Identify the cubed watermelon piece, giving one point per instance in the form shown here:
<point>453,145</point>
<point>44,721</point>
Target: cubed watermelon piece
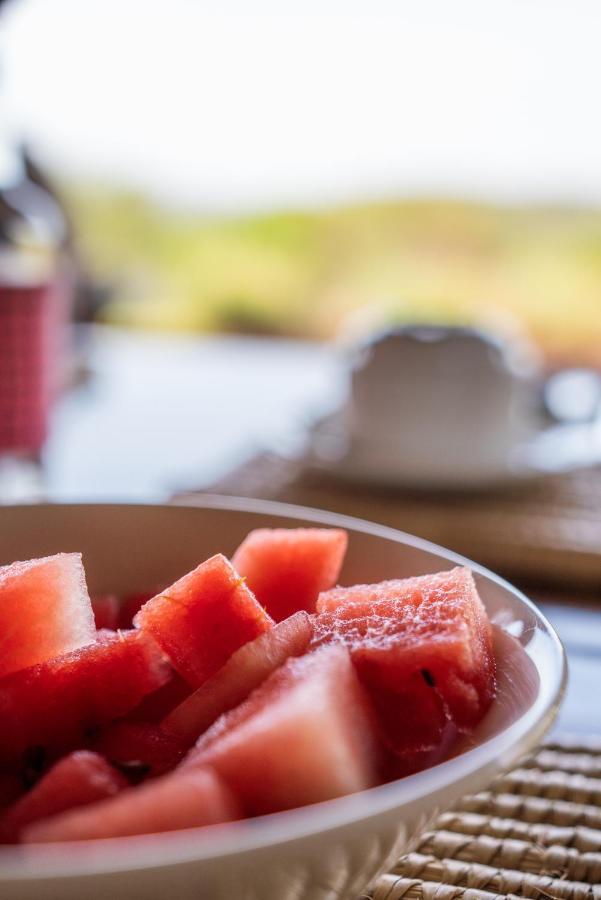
<point>44,610</point>
<point>201,619</point>
<point>244,671</point>
<point>306,735</point>
<point>139,749</point>
<point>179,800</point>
<point>106,612</point>
<point>286,568</point>
<point>53,705</point>
<point>76,780</point>
<point>422,646</point>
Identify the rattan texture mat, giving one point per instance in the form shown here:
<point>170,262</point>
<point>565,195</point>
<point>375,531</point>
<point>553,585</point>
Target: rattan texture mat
<point>535,833</point>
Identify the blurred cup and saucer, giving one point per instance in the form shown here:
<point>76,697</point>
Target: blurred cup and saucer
<point>438,407</point>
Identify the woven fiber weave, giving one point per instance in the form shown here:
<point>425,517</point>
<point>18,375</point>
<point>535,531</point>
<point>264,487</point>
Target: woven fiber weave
<point>535,833</point>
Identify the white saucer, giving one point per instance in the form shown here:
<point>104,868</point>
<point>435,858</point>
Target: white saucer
<point>550,451</point>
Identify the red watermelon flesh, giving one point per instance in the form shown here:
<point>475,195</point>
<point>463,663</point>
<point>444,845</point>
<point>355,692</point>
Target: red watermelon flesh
<point>154,707</point>
<point>76,780</point>
<point>422,646</point>
<point>44,610</point>
<point>415,724</point>
<point>201,619</point>
<point>306,735</point>
<point>53,705</point>
<point>286,568</point>
<point>106,612</point>
<point>179,800</point>
<point>244,671</point>
<point>11,788</point>
<point>139,749</point>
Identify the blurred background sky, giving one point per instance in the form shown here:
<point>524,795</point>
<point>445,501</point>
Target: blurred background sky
<point>270,169</point>
<point>230,104</point>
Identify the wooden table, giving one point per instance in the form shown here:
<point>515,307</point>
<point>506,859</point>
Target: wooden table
<point>161,415</point>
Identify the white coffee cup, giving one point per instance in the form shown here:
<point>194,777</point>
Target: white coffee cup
<point>437,406</point>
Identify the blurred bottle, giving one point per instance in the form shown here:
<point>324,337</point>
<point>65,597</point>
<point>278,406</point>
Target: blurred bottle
<point>35,291</point>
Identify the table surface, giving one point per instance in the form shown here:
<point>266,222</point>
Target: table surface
<point>163,414</point>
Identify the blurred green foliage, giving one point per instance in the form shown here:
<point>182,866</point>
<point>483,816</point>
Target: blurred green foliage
<point>303,273</point>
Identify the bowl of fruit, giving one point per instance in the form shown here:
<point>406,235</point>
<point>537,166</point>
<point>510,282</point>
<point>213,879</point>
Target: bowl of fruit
<point>243,698</point>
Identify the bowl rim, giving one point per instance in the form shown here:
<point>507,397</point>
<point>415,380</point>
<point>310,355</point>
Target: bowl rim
<point>133,853</point>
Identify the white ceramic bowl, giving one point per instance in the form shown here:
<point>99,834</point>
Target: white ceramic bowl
<point>329,850</point>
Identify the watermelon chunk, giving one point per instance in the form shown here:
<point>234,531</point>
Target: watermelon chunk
<point>286,568</point>
<point>44,610</point>
<point>201,619</point>
<point>139,749</point>
<point>179,800</point>
<point>306,735</point>
<point>51,706</point>
<point>76,780</point>
<point>423,647</point>
<point>244,671</point>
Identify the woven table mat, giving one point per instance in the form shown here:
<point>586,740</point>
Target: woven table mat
<point>547,532</point>
<point>535,833</point>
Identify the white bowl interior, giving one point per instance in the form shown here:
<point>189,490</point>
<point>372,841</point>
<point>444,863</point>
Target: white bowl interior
<point>137,547</point>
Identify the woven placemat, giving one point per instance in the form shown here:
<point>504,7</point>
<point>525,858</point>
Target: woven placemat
<point>535,833</point>
<point>546,532</point>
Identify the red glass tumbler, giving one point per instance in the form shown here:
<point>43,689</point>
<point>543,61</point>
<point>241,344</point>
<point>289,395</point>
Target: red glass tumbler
<point>33,324</point>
